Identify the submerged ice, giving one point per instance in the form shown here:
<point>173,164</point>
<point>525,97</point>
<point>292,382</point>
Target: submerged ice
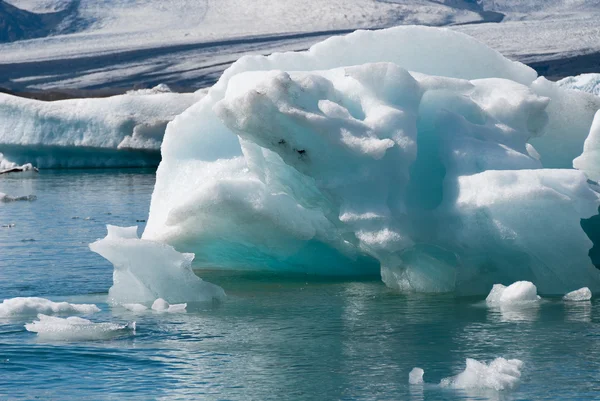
<point>415,152</point>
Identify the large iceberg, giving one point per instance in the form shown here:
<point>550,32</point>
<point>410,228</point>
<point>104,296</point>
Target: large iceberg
<point>416,152</point>
<point>118,131</point>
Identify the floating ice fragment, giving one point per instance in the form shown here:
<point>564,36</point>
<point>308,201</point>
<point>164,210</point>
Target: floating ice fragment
<point>520,291</point>
<point>416,376</point>
<point>582,294</point>
<point>7,167</point>
<point>500,374</point>
<point>146,270</point>
<point>33,306</point>
<point>6,198</point>
<point>76,328</point>
<point>160,305</point>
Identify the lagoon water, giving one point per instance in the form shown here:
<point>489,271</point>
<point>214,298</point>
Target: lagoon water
<point>274,338</point>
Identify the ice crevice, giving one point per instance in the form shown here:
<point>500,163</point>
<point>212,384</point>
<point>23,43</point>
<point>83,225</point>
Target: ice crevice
<point>416,153</point>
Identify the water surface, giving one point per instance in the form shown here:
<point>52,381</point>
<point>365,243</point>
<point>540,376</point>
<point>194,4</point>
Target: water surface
<point>274,338</point>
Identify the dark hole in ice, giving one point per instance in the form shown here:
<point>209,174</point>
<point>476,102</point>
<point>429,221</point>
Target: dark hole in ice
<point>591,227</point>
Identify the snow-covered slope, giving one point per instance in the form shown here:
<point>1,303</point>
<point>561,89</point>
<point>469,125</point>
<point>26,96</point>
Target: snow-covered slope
<point>126,24</point>
<point>197,31</point>
<point>119,43</point>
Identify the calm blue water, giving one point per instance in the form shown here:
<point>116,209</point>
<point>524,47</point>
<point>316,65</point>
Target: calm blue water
<point>275,338</point>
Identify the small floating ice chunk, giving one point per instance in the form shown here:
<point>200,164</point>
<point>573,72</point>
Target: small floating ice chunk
<point>8,167</point>
<point>160,305</point>
<point>146,270</point>
<point>520,291</point>
<point>136,308</point>
<point>6,198</point>
<point>582,294</point>
<point>33,306</point>
<point>416,376</point>
<point>76,328</point>
<point>500,374</point>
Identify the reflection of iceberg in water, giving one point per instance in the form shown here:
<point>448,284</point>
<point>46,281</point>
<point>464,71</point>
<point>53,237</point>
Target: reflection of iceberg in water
<point>578,311</point>
<point>514,313</point>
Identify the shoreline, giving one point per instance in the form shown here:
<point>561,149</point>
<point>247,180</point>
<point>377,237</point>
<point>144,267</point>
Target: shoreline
<point>552,69</point>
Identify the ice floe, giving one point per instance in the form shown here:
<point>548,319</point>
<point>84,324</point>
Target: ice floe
<point>77,329</point>
<point>33,305</point>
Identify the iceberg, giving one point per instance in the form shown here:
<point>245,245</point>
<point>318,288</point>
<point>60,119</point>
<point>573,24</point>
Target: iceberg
<point>147,270</point>
<point>118,131</point>
<point>415,377</point>
<point>160,305</point>
<point>77,329</point>
<point>582,294</point>
<point>33,305</point>
<point>521,291</point>
<point>407,152</point>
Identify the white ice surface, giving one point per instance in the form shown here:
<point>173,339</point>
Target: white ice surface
<point>77,329</point>
<point>518,292</point>
<point>160,305</point>
<point>500,374</point>
<point>589,161</point>
<point>33,305</point>
<point>582,294</point>
<point>416,376</point>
